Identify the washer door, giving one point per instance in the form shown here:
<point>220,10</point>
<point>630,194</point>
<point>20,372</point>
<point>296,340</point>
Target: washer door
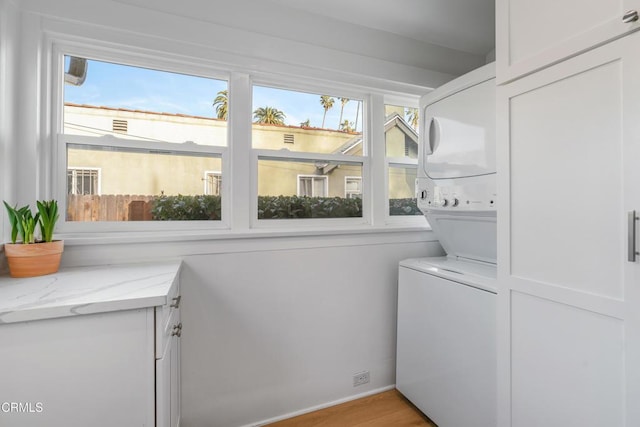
<point>446,357</point>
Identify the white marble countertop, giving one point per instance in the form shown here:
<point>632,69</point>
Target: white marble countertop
<point>87,290</point>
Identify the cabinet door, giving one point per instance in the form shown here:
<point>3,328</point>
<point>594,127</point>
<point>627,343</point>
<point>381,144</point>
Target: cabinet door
<point>174,370</point>
<point>89,370</point>
<point>168,378</point>
<point>533,34</point>
<point>569,139</point>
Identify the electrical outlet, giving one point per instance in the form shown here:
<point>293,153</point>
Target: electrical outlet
<point>360,378</point>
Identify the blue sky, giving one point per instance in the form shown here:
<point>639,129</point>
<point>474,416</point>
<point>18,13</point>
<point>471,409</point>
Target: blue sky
<point>119,86</point>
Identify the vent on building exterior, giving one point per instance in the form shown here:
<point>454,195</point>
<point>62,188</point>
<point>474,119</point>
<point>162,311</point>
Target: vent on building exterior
<point>288,138</point>
<point>120,126</point>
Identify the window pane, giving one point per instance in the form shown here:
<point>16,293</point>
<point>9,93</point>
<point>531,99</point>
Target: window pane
<point>138,184</point>
<point>402,199</point>
<point>102,98</point>
<point>401,143</point>
<point>401,131</point>
<point>304,122</point>
<point>306,189</point>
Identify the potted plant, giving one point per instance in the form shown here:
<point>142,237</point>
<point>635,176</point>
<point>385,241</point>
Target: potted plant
<point>30,257</point>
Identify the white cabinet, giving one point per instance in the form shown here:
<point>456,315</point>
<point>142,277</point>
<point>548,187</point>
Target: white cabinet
<point>531,35</point>
<point>568,322</point>
<point>120,367</point>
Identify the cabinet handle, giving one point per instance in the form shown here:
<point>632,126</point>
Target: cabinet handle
<point>177,330</point>
<point>630,16</point>
<point>176,302</point>
<point>631,236</point>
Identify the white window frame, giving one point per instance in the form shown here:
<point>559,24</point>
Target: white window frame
<point>206,189</point>
<point>127,56</point>
<point>325,184</point>
<point>165,147</point>
<point>347,193</point>
<point>259,154</point>
<point>364,161</point>
<point>239,192</point>
<point>99,176</point>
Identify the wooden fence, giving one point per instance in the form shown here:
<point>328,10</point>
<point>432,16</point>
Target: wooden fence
<point>108,208</point>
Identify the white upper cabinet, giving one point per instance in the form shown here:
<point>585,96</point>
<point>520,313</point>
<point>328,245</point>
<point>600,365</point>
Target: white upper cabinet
<point>531,35</point>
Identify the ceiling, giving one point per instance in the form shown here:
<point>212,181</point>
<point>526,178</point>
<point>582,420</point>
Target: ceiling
<point>450,37</point>
<point>464,25</point>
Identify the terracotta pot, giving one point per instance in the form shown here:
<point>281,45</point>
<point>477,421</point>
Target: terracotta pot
<point>35,259</point>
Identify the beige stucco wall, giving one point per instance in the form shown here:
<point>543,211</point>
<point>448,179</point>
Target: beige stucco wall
<point>151,174</point>
<point>146,174</point>
<point>402,182</point>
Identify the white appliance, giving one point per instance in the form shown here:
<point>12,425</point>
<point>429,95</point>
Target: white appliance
<point>446,348</point>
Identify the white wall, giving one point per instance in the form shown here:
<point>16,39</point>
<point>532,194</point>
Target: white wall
<point>231,32</point>
<point>8,105</point>
<point>271,333</point>
<point>277,325</point>
<point>272,325</point>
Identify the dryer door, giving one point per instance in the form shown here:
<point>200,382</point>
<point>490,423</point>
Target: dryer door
<point>460,133</point>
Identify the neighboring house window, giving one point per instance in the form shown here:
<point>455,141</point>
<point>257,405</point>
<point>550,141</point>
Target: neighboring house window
<point>169,130</point>
<point>401,147</point>
<point>83,181</point>
<point>329,145</point>
<point>352,187</point>
<point>213,183</point>
<point>312,186</point>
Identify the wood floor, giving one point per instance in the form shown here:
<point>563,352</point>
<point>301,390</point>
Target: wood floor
<point>388,409</point>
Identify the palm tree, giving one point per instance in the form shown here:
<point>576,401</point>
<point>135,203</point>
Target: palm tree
<point>346,126</point>
<point>269,116</point>
<point>343,101</point>
<point>221,104</point>
<point>412,117</point>
<point>305,124</point>
<point>327,103</point>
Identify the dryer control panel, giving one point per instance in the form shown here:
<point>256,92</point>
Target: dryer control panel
<point>477,196</point>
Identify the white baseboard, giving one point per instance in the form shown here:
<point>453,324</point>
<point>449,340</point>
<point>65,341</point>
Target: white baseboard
<point>322,406</point>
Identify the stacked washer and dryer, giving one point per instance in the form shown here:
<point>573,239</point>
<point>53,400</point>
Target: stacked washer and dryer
<point>446,354</point>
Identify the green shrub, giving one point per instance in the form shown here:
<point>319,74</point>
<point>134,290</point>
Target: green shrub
<point>279,207</point>
<point>403,207</point>
<point>186,208</point>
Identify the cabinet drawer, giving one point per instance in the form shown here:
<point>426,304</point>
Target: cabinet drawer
<point>173,302</point>
<point>167,319</point>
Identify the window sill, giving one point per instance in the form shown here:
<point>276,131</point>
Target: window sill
<point>108,238</point>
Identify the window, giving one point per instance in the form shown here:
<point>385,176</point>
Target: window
<point>212,183</point>
<point>401,147</point>
<point>83,181</point>
<point>329,146</point>
<point>144,138</point>
<point>312,186</point>
<point>352,187</point>
<point>152,135</point>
